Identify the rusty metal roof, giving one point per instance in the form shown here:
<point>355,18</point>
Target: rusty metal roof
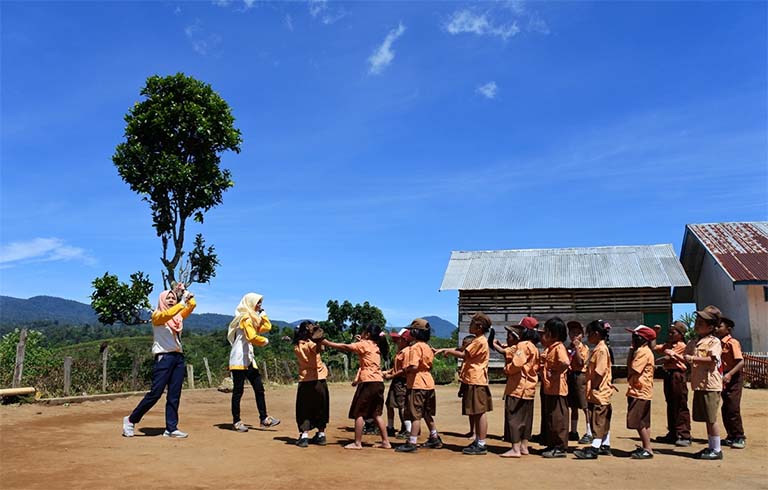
<point>571,268</point>
<point>741,249</point>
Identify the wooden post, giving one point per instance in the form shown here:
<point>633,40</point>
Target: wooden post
<point>67,375</point>
<point>191,376</point>
<point>264,373</point>
<point>134,373</point>
<point>288,374</point>
<point>208,371</point>
<point>18,368</point>
<point>345,360</point>
<point>104,357</point>
<point>276,373</point>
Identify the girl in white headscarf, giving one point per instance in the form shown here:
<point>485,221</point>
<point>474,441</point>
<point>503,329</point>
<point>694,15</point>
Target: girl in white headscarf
<point>244,332</point>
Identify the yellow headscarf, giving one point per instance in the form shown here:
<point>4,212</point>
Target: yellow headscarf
<point>246,309</point>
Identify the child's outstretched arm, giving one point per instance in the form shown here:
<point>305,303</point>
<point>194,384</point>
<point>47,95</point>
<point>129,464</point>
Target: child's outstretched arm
<point>337,346</point>
<point>496,345</point>
<point>451,352</point>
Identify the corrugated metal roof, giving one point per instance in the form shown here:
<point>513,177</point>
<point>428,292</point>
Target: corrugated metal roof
<point>571,268</point>
<point>741,249</point>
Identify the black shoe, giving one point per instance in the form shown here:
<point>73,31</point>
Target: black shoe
<point>586,453</point>
<point>726,442</point>
<point>434,443</point>
<point>739,443</point>
<point>586,439</point>
<point>683,442</point>
<point>475,450</point>
<point>605,451</point>
<point>554,453</point>
<point>318,439</point>
<point>391,432</point>
<point>370,429</point>
<point>709,454</point>
<point>641,453</point>
<point>403,434</point>
<point>667,439</point>
<point>573,436</point>
<point>536,438</point>
<point>406,448</point>
<point>302,442</point>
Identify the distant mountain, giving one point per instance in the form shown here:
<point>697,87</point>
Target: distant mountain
<point>440,328</point>
<point>59,311</point>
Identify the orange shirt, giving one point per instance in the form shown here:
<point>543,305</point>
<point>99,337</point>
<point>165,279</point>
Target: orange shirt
<point>370,360</point>
<point>398,368</point>
<point>731,352</point>
<point>476,357</point>
<point>671,363</point>
<point>311,366</point>
<point>522,365</point>
<point>599,389</point>
<point>640,374</point>
<point>420,356</point>
<point>554,370</point>
<point>706,376</point>
<point>579,358</point>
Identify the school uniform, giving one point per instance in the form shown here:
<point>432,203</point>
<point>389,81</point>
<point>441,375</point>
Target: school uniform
<point>676,391</point>
<point>731,395</point>
<point>420,393</point>
<point>312,398</point>
<point>368,401</point>
<point>477,398</point>
<point>706,378</point>
<point>399,383</point>
<point>577,383</point>
<point>521,367</point>
<point>599,390</point>
<point>555,387</point>
<point>640,368</point>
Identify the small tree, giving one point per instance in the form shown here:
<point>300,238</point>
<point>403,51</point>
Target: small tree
<point>115,301</point>
<point>351,318</point>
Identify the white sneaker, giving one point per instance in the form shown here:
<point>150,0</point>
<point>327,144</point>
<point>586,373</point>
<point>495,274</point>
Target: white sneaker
<point>128,427</point>
<point>177,433</point>
<point>240,427</point>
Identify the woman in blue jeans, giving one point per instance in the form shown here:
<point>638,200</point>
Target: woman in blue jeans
<point>168,321</point>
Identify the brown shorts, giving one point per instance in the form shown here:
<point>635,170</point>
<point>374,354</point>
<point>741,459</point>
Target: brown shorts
<point>396,393</point>
<point>577,391</point>
<point>368,401</point>
<point>705,406</point>
<point>518,419</point>
<point>638,413</point>
<point>600,416</point>
<point>476,400</point>
<point>419,404</point>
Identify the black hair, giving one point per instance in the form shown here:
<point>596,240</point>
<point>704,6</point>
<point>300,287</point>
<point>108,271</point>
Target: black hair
<point>597,326</point>
<point>302,331</point>
<point>639,341</point>
<point>377,335</point>
<point>422,335</point>
<point>531,335</point>
<point>727,322</point>
<point>555,327</point>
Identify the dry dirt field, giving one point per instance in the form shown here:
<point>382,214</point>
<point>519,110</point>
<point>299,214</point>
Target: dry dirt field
<point>80,446</point>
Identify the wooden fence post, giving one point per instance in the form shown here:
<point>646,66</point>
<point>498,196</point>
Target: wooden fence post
<point>67,375</point>
<point>18,368</point>
<point>191,376</point>
<point>134,373</point>
<point>288,374</point>
<point>208,371</point>
<point>276,373</point>
<point>345,360</point>
<point>104,357</point>
<point>265,374</point>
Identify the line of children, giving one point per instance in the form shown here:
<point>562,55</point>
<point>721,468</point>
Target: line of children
<point>476,400</point>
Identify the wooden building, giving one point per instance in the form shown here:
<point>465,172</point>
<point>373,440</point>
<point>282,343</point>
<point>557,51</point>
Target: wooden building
<point>626,286</point>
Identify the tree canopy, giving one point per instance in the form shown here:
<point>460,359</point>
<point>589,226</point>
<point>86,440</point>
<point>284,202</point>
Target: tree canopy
<point>351,318</point>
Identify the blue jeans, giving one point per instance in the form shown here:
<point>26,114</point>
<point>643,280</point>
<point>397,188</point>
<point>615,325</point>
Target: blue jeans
<point>168,371</point>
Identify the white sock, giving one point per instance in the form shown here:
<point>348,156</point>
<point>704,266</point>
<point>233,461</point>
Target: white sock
<point>596,443</point>
<point>589,430</point>
<point>714,443</point>
<point>320,434</point>
<point>481,442</point>
<point>412,439</point>
<point>303,435</point>
<point>433,433</point>
<point>408,425</point>
<point>607,440</point>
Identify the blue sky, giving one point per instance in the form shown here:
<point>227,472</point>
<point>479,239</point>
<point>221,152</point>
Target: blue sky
<point>379,137</point>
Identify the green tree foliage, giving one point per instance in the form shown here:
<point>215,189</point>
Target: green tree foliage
<point>346,317</point>
<point>38,359</point>
<point>117,302</point>
<point>689,319</point>
<point>174,140</point>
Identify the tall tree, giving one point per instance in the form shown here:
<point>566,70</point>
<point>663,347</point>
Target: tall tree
<point>347,317</point>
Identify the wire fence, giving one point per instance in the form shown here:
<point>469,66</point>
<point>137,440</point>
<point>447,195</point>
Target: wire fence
<point>756,369</point>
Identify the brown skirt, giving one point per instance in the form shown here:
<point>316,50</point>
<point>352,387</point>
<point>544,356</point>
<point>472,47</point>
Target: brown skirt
<point>577,391</point>
<point>638,413</point>
<point>396,393</point>
<point>476,400</point>
<point>600,416</point>
<point>518,419</point>
<point>420,404</point>
<point>312,405</point>
<point>368,401</point>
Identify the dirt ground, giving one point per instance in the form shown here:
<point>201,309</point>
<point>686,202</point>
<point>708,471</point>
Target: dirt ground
<point>80,446</point>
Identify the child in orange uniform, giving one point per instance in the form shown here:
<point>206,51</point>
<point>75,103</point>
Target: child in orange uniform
<point>640,366</point>
<point>312,399</point>
<point>477,400</point>
<point>733,363</point>
<point>599,391</point>
<point>554,369</point>
<point>398,386</point>
<point>675,387</point>
<point>577,383</point>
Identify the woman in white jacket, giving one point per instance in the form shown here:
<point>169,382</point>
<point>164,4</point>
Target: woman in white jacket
<point>244,332</point>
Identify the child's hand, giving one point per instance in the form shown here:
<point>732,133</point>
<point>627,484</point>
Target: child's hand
<point>358,338</point>
<point>727,378</point>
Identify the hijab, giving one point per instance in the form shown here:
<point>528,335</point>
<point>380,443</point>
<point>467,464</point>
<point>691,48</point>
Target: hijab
<point>175,323</point>
<point>246,309</point>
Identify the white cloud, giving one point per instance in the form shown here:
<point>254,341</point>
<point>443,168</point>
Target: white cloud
<point>488,90</point>
<point>466,21</point>
<point>288,21</point>
<point>41,250</point>
<point>221,3</point>
<point>201,43</point>
<point>383,55</point>
<point>320,10</point>
<point>249,3</point>
<point>537,24</point>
